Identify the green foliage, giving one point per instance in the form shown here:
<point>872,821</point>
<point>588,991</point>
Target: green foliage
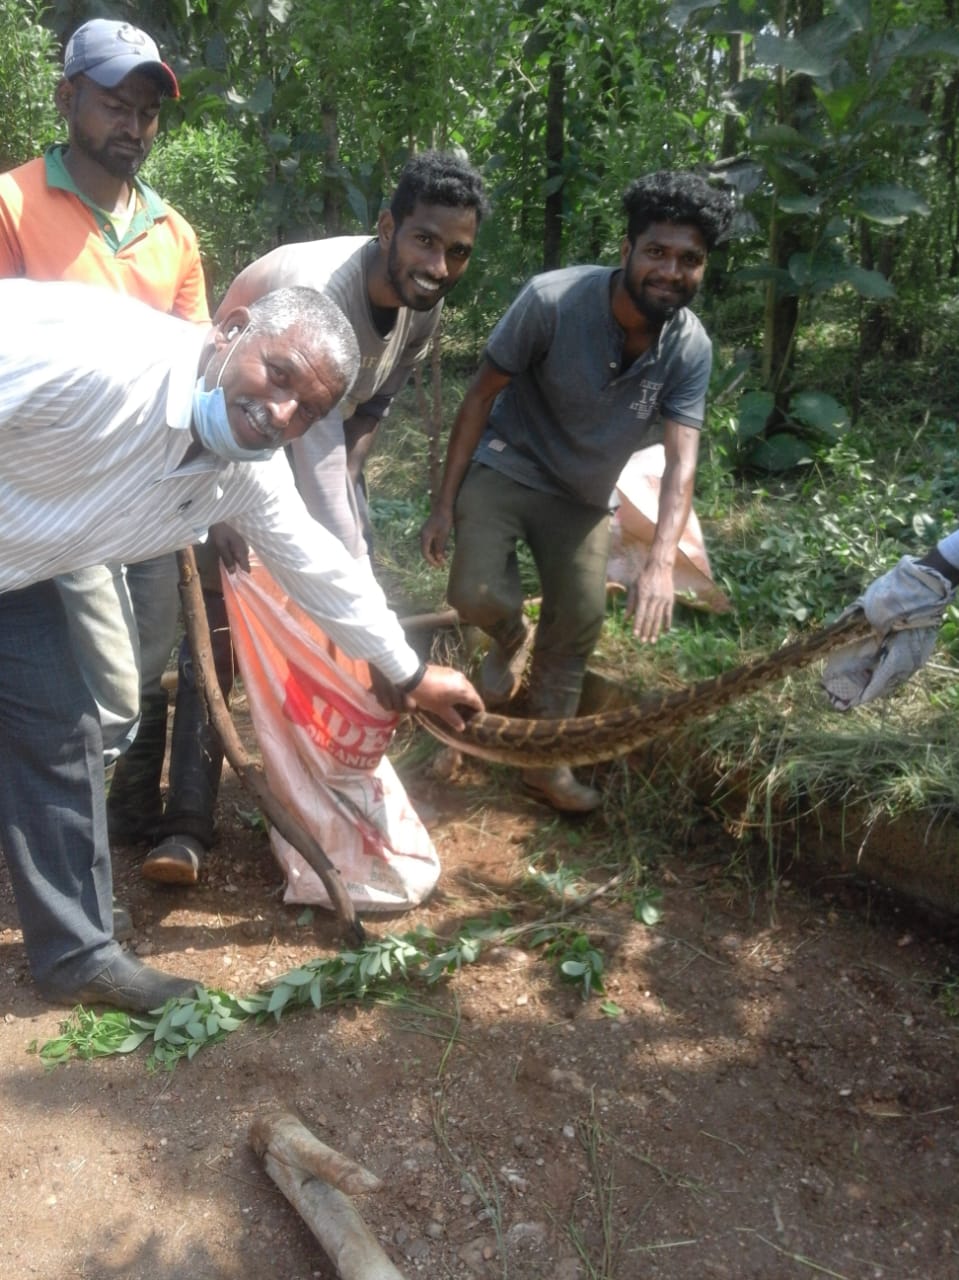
<point>812,422</point>
<point>29,75</point>
<point>381,966</point>
<point>212,174</point>
<point>611,1009</point>
<point>578,961</point>
<point>185,1026</point>
<point>948,995</point>
<point>835,141</point>
<point>92,1035</point>
<point>647,906</point>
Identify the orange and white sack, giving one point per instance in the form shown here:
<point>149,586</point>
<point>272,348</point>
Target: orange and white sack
<point>634,525</point>
<point>322,736</point>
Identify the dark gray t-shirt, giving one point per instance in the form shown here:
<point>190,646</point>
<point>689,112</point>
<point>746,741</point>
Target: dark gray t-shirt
<point>569,419</point>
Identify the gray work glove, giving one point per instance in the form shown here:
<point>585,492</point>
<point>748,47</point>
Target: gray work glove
<point>905,607</point>
<point>909,595</point>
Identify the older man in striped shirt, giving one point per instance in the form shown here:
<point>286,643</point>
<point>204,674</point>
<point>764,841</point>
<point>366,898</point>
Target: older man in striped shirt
<point>125,433</point>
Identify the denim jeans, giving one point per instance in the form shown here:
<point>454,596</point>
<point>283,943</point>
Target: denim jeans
<point>123,626</point>
<point>52,819</point>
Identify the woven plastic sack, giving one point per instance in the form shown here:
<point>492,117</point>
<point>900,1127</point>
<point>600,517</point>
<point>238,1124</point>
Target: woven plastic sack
<point>322,736</point>
<point>634,525</point>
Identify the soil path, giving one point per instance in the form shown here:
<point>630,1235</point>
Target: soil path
<point>778,1099</point>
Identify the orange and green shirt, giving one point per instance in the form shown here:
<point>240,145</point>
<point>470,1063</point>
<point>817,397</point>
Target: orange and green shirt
<point>50,231</point>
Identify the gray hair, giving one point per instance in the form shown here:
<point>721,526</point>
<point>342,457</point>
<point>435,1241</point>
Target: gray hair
<point>285,309</point>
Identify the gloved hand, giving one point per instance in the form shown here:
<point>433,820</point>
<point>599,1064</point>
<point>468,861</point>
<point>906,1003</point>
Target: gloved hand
<point>909,595</point>
<point>905,607</point>
<point>873,668</point>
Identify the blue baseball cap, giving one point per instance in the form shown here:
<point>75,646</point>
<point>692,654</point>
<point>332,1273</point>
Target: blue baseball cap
<point>108,51</point>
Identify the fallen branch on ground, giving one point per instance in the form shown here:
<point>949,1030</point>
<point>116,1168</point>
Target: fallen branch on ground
<point>377,968</point>
<point>311,1176</point>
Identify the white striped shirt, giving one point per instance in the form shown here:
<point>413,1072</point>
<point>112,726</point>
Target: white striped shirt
<point>95,406</point>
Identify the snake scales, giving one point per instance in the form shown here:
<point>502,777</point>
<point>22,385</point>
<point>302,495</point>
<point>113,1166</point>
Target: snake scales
<point>608,734</point>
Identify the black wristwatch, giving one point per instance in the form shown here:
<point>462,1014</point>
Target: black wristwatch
<point>409,685</point>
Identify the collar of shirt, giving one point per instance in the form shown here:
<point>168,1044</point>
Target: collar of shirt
<point>150,208</point>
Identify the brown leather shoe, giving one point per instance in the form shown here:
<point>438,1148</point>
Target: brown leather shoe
<point>560,789</point>
<point>175,860</point>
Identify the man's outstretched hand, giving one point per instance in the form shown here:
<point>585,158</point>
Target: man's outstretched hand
<point>232,548</point>
<point>649,602</point>
<point>442,691</point>
<point>434,536</point>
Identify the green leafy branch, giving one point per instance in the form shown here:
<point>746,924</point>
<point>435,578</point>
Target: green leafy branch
<point>183,1027</point>
<point>579,962</point>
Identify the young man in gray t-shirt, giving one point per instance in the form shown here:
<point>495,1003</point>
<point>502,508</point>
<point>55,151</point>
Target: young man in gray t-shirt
<point>587,366</point>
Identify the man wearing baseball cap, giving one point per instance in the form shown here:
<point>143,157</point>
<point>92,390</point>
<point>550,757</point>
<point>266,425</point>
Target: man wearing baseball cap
<point>108,51</point>
<point>80,212</point>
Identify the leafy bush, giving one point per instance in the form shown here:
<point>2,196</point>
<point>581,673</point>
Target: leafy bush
<point>213,176</point>
<point>28,60</point>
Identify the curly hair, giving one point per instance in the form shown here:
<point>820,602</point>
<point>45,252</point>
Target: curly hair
<point>438,177</point>
<point>677,197</point>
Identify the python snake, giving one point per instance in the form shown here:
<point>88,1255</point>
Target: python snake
<point>608,734</point>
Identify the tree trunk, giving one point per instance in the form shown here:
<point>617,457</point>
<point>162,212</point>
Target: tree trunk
<point>781,315</point>
<point>785,238</point>
<point>555,142</point>
<point>731,125</point>
<point>333,189</point>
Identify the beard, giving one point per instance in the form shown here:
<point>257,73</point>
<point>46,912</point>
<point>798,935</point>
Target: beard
<point>118,163</point>
<point>655,308</point>
<point>404,288</point>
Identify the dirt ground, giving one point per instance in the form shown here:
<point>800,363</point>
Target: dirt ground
<point>778,1098</point>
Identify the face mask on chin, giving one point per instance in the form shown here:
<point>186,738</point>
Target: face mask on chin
<point>212,426</point>
<point>211,422</point>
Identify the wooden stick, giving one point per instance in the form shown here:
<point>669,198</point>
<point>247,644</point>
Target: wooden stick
<point>415,622</point>
<point>330,1215</point>
<point>430,621</point>
<point>249,773</point>
<point>291,1141</point>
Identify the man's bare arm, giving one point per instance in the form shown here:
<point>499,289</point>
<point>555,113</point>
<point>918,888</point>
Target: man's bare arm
<point>465,435</point>
<point>360,435</point>
<point>651,597</point>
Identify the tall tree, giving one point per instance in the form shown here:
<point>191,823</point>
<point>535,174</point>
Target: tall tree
<point>834,140</point>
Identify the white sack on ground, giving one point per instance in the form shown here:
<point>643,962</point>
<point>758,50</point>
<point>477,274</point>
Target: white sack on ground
<point>633,528</point>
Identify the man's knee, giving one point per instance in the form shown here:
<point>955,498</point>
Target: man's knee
<point>477,603</point>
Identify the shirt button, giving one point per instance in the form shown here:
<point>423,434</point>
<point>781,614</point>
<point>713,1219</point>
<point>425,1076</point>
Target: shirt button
<point>184,506</point>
